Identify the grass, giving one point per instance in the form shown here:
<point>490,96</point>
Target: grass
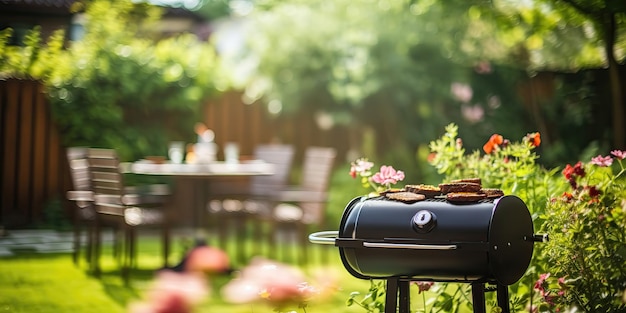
<point>52,283</point>
<point>31,283</point>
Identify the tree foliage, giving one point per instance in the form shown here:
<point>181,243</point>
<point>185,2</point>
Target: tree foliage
<point>386,66</point>
<point>118,86</point>
<point>599,28</point>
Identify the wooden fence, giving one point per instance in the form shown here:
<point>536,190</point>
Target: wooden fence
<point>33,167</point>
<point>251,124</point>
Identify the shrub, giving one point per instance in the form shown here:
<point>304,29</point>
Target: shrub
<point>587,251</point>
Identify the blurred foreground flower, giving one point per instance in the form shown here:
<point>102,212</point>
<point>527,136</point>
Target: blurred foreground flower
<point>207,260</point>
<point>181,288</point>
<point>173,292</point>
<point>278,284</point>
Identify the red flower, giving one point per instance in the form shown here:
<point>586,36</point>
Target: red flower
<point>567,196</point>
<point>593,191</point>
<point>494,142</point>
<point>534,139</point>
<point>572,171</point>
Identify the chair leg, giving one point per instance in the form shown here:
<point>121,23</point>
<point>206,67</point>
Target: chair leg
<point>90,241</point>
<point>272,240</point>
<point>222,231</point>
<point>97,246</point>
<point>257,235</point>
<point>166,245</point>
<point>127,254</point>
<point>301,232</point>
<point>77,242</point>
<point>240,228</point>
<point>119,240</point>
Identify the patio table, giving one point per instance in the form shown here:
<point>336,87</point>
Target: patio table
<point>199,177</point>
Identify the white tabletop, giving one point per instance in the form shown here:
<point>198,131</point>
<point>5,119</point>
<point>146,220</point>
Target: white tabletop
<point>247,168</point>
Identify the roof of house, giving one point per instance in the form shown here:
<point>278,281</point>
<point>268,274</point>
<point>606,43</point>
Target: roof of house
<point>37,6</point>
<point>64,6</point>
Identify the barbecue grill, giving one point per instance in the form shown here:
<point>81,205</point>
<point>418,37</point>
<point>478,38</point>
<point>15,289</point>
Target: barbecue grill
<point>483,242</point>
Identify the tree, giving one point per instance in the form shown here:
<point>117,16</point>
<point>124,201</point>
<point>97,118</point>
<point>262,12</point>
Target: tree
<point>608,16</point>
<point>570,35</point>
<point>386,67</point>
<point>117,87</point>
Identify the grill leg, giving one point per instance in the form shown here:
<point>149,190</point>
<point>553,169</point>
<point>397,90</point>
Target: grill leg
<point>404,297</point>
<point>397,296</point>
<point>391,298</point>
<point>503,298</point>
<point>478,297</point>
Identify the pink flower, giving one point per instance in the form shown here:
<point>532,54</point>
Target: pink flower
<point>462,92</point>
<point>360,167</point>
<point>207,260</point>
<point>540,284</point>
<point>602,161</point>
<point>619,154</point>
<point>483,67</point>
<point>424,286</point>
<point>277,283</point>
<point>388,176</point>
<point>472,113</point>
<point>173,292</point>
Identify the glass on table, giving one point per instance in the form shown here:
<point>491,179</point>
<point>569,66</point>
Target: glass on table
<point>176,152</point>
<point>231,153</point>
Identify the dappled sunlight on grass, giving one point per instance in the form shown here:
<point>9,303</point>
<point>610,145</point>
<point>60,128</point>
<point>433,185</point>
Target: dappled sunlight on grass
<point>52,283</point>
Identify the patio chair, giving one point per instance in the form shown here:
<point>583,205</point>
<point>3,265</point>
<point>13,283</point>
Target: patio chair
<point>82,197</point>
<point>236,206</point>
<point>127,207</point>
<point>303,206</point>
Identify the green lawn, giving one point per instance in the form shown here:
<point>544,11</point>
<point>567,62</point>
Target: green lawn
<point>52,283</point>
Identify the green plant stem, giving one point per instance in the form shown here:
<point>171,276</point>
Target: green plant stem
<point>453,296</point>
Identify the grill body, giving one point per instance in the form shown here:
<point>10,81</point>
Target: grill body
<point>486,241</point>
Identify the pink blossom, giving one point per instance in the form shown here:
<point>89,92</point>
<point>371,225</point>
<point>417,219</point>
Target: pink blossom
<point>602,161</point>
<point>360,167</point>
<point>173,292</point>
<point>472,113</point>
<point>424,286</point>
<point>208,260</point>
<point>462,92</point>
<point>483,67</point>
<point>620,154</point>
<point>388,176</point>
<point>274,282</point>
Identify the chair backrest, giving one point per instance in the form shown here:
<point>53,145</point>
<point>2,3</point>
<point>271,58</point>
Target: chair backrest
<point>281,156</point>
<point>104,168</point>
<point>79,168</point>
<point>317,170</point>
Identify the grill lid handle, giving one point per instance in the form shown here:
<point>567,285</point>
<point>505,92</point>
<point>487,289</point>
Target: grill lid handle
<point>330,237</point>
<point>408,246</point>
<point>324,237</point>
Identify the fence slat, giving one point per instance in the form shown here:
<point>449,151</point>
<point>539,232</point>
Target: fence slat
<point>10,139</point>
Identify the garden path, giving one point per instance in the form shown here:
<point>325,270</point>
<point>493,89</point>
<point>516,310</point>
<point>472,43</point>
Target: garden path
<point>38,241</point>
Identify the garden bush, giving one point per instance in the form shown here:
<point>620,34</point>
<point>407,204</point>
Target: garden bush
<point>120,85</point>
<point>581,268</point>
